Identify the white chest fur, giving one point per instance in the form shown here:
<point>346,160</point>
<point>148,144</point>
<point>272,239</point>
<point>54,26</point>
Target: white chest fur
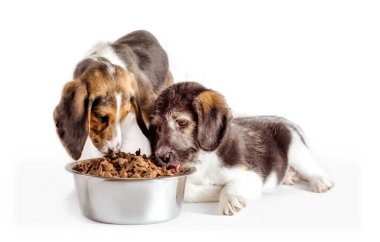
<point>133,138</point>
<point>213,181</point>
<point>211,171</point>
<point>208,168</point>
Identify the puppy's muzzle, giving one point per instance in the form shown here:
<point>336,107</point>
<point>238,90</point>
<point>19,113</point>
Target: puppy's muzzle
<point>165,157</point>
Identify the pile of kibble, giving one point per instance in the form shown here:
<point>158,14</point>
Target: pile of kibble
<point>123,165</point>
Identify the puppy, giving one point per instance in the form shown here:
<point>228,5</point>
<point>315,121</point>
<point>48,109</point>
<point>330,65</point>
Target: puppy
<point>235,158</point>
<point>111,96</point>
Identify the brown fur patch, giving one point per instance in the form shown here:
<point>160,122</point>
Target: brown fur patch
<point>155,120</point>
<point>211,99</point>
<point>80,95</point>
<point>102,131</point>
<point>71,117</point>
<point>103,85</point>
<point>213,119</point>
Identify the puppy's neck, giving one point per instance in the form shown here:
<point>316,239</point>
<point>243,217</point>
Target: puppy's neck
<point>230,150</point>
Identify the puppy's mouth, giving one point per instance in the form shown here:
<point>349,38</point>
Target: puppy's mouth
<point>105,150</point>
<point>175,166</point>
<point>172,164</point>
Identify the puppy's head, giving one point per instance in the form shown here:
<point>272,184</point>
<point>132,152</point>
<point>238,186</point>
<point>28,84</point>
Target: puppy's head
<point>94,105</point>
<point>187,118</point>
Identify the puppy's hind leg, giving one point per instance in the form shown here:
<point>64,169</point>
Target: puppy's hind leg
<point>302,161</point>
<point>291,176</point>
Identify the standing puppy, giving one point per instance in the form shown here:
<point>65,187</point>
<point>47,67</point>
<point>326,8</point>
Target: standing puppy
<point>111,96</point>
<point>234,158</point>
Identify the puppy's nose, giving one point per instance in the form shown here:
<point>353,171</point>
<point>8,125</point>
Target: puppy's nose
<point>166,158</point>
<point>114,145</point>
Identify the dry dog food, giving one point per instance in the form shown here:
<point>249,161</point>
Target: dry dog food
<point>124,165</point>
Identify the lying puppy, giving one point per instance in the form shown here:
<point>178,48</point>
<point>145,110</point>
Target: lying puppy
<point>111,96</point>
<point>234,158</point>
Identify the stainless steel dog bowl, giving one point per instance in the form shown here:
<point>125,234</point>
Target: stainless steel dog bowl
<point>129,201</point>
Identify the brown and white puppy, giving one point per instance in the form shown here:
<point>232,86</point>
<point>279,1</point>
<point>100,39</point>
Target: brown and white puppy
<point>235,158</point>
<point>111,96</point>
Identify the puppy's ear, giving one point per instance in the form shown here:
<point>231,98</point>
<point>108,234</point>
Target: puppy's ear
<point>71,117</point>
<point>139,117</point>
<point>213,119</point>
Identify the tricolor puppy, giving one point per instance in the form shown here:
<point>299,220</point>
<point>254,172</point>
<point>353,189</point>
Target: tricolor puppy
<point>235,158</point>
<point>111,96</point>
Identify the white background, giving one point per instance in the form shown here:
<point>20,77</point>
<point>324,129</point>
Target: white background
<point>314,62</point>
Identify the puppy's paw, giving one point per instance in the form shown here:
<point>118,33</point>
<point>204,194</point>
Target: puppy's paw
<point>231,205</point>
<point>321,184</point>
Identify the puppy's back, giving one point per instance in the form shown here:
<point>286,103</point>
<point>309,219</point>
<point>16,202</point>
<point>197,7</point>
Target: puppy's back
<point>267,140</point>
<point>149,55</point>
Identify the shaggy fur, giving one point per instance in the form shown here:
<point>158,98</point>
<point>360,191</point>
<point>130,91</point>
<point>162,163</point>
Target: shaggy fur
<point>235,158</point>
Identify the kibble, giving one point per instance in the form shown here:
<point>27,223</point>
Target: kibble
<point>124,165</point>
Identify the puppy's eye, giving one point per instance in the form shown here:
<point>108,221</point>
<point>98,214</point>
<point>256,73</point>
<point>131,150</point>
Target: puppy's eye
<point>158,127</point>
<point>182,123</point>
<point>102,118</point>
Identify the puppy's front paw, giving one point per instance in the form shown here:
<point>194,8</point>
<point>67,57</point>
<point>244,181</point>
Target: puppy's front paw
<point>231,205</point>
<point>321,184</point>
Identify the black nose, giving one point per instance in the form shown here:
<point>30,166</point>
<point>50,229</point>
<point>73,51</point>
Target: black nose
<point>166,158</point>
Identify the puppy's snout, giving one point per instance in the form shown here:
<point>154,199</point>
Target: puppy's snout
<point>115,147</point>
<point>114,144</point>
<point>166,158</point>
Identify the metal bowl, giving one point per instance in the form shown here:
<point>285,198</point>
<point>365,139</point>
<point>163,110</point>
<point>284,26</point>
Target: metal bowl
<point>129,200</point>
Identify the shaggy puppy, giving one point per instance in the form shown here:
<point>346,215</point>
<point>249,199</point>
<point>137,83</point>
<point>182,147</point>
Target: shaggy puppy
<point>235,158</point>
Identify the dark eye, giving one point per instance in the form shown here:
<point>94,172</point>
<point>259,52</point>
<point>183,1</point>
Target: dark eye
<point>182,123</point>
<point>158,127</point>
<point>102,118</point>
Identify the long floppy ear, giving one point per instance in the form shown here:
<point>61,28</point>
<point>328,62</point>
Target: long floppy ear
<point>139,116</point>
<point>71,117</point>
<point>213,119</point>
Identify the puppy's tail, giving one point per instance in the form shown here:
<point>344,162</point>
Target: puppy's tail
<point>297,129</point>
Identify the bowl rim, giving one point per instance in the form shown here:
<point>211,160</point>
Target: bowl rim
<point>69,168</point>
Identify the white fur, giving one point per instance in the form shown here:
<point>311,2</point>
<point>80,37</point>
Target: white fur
<point>90,151</point>
<point>115,143</point>
<point>105,50</point>
<point>202,193</point>
<point>271,182</point>
<point>132,136</point>
<point>172,124</point>
<point>233,186</point>
<point>303,162</point>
